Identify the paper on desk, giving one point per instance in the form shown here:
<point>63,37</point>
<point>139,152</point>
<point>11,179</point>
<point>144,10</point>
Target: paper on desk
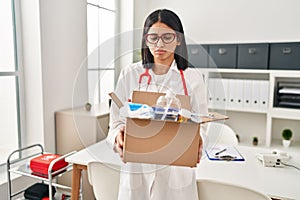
<point>219,151</point>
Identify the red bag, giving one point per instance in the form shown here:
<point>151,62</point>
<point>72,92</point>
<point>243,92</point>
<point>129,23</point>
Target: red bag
<point>40,164</point>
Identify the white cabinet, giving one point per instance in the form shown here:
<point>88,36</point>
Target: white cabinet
<point>76,129</point>
<point>259,117</point>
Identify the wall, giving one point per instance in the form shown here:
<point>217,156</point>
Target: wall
<point>63,52</point>
<point>54,48</point>
<point>231,20</point>
<point>32,91</point>
<point>124,34</point>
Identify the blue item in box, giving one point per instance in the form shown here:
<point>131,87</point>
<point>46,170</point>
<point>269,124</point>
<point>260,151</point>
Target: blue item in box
<point>135,106</point>
<point>137,110</point>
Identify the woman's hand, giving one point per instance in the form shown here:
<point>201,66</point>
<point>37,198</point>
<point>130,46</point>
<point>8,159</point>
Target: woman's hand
<point>200,150</point>
<point>119,142</point>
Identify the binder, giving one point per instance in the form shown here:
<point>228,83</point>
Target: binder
<point>219,93</point>
<point>264,94</point>
<point>211,91</point>
<point>239,93</point>
<point>255,94</point>
<point>235,93</point>
<point>247,94</point>
<point>224,98</point>
<point>232,93</point>
<point>223,152</point>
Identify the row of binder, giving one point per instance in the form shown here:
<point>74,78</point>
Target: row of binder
<point>238,94</point>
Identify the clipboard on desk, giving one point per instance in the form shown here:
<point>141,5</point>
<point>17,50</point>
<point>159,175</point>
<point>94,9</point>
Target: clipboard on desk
<point>224,152</point>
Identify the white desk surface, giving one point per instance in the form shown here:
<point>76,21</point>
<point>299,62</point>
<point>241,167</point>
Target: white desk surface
<point>281,182</point>
<point>100,151</point>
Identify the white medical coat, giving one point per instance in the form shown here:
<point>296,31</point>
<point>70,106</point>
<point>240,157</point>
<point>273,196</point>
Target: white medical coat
<point>148,181</point>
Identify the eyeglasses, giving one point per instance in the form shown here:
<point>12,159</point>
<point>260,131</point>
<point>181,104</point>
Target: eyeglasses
<point>167,38</point>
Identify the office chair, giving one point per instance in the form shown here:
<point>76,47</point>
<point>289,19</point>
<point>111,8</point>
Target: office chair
<point>219,133</point>
<point>105,180</point>
<point>213,190</point>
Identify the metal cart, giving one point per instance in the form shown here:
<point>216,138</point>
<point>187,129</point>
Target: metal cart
<point>17,163</point>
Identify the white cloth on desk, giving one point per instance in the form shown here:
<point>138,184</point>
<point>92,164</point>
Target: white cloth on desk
<point>154,181</point>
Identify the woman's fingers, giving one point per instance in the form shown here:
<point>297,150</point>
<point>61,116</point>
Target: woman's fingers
<point>200,150</point>
<point>120,142</point>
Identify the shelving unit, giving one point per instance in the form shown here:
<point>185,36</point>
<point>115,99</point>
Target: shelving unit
<point>266,124</point>
<point>17,163</point>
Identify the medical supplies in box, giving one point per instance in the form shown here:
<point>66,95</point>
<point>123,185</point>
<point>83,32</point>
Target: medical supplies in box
<point>40,164</point>
<point>163,142</point>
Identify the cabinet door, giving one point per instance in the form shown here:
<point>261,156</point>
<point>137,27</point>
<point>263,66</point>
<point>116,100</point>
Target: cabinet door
<point>285,56</point>
<point>222,56</point>
<point>198,55</point>
<point>75,130</point>
<point>253,56</point>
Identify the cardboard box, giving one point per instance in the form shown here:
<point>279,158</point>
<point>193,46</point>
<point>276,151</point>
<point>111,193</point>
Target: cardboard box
<point>162,142</point>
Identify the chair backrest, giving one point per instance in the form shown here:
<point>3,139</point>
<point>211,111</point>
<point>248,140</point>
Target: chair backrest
<point>105,179</point>
<point>214,190</point>
<point>219,133</point>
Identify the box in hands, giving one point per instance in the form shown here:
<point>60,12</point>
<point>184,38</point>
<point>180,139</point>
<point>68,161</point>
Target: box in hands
<point>162,141</point>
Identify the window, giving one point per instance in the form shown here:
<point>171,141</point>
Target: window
<point>9,84</point>
<point>101,20</point>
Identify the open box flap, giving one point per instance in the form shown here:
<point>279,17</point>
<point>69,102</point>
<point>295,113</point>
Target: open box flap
<point>213,116</point>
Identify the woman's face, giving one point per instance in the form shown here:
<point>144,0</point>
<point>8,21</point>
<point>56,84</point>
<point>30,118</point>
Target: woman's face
<point>162,42</point>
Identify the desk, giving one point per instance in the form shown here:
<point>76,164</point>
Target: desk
<point>282,182</point>
<point>100,151</point>
<point>276,182</point>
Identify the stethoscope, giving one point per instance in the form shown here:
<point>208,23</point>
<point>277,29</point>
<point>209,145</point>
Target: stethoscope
<point>148,75</point>
<point>145,74</point>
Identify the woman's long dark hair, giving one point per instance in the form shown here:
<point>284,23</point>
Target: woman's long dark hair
<point>172,20</point>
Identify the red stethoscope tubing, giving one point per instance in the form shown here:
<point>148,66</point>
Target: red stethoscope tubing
<point>183,82</point>
<point>147,74</point>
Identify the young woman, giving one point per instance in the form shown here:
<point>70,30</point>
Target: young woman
<point>164,55</point>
